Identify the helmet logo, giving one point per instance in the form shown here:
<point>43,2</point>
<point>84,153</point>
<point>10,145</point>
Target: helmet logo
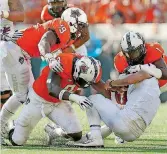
<point>84,68</point>
<point>75,13</point>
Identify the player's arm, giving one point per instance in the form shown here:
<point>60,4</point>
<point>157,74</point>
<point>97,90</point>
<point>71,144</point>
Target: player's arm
<point>16,13</point>
<point>53,85</point>
<point>100,87</point>
<point>130,79</point>
<point>83,38</point>
<point>163,67</point>
<point>48,39</point>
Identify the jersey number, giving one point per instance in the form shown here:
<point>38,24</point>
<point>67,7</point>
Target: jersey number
<point>62,29</point>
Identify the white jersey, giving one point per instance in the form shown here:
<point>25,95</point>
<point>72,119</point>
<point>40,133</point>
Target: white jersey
<point>143,98</point>
<point>6,26</point>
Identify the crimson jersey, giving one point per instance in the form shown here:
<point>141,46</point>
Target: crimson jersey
<point>32,36</point>
<point>40,86</point>
<point>154,52</point>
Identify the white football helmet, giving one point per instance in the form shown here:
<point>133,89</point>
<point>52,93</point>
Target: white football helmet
<point>87,70</point>
<point>76,18</point>
<point>133,47</point>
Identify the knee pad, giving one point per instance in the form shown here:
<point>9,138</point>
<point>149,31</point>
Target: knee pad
<point>76,136</point>
<point>3,93</point>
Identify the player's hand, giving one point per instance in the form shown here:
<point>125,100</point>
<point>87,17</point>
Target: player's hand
<point>82,101</point>
<point>54,64</point>
<point>108,86</point>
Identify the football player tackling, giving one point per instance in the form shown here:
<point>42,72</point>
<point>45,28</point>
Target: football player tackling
<point>51,96</point>
<point>47,37</point>
<point>143,93</point>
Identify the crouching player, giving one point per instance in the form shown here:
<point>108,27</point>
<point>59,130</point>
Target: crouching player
<point>51,94</point>
<point>143,93</point>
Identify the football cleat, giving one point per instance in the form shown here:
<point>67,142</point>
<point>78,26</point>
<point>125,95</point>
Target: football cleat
<point>49,129</point>
<point>118,140</point>
<point>89,143</point>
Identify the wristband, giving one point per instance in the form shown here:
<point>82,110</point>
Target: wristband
<point>61,94</point>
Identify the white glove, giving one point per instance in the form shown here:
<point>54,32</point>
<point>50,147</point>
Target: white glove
<point>54,64</point>
<point>82,101</point>
<point>149,68</point>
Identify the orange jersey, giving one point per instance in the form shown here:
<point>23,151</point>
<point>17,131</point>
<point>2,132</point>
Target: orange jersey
<point>40,86</point>
<point>45,15</point>
<point>154,52</point>
<point>32,36</point>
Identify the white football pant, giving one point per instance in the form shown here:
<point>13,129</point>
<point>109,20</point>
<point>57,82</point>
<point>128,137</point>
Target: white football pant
<point>130,122</point>
<point>19,76</point>
<point>36,108</point>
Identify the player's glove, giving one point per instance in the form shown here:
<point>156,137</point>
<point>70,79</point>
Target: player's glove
<point>149,68</point>
<point>82,101</point>
<point>54,64</point>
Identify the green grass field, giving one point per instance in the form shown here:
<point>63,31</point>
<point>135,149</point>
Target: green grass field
<point>153,141</point>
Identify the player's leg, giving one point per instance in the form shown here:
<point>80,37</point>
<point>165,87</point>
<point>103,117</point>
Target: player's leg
<point>120,121</point>
<point>65,117</point>
<point>29,117</point>
<point>4,87</point>
<point>18,76</point>
<point>5,94</point>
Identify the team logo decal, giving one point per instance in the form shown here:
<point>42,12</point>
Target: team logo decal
<point>21,60</point>
<point>75,13</point>
<point>84,68</point>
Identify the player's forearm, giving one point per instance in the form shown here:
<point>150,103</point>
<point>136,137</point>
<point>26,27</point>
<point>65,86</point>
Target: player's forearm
<point>54,89</point>
<point>100,87</point>
<point>57,92</point>
<point>82,39</point>
<point>47,40</point>
<point>131,79</point>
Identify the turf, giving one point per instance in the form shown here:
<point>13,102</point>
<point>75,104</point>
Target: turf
<point>153,141</point>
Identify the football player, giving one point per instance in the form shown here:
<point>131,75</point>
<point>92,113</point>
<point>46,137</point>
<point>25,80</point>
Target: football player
<point>143,93</point>
<point>52,93</point>
<point>55,9</point>
<point>10,11</point>
<point>35,41</point>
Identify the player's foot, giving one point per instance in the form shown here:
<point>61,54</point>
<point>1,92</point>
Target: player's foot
<point>52,131</point>
<point>49,129</point>
<point>91,143</point>
<point>118,140</point>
